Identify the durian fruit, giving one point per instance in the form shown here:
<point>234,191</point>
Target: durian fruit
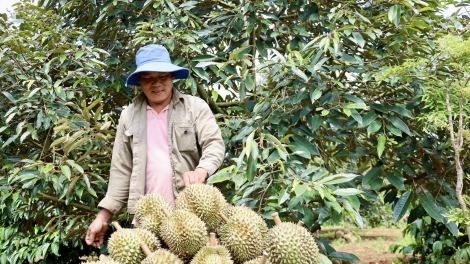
<point>183,232</point>
<point>206,201</point>
<point>291,243</point>
<point>243,233</point>
<point>259,260</point>
<point>148,212</point>
<point>212,254</point>
<point>124,244</point>
<point>161,256</point>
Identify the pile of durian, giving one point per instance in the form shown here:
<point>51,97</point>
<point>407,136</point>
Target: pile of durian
<point>205,229</point>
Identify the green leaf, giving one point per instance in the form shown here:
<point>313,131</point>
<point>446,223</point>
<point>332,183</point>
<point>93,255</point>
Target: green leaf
<point>307,144</point>
<point>316,122</point>
<point>401,110</point>
<point>308,171</point>
<point>396,179</point>
<point>9,140</point>
<point>299,149</point>
<point>368,118</point>
<point>204,58</point>
<point>427,201</point>
<point>397,132</point>
<point>338,178</point>
<point>371,175</point>
<point>358,39</point>
<point>219,177</point>
<point>283,196</point>
<point>381,145</point>
<point>10,97</point>
<point>300,73</point>
<point>374,127</point>
<point>79,54</point>
<point>402,206</point>
<point>397,122</point>
<point>324,259</point>
<point>251,169</point>
<point>315,94</point>
<point>66,171</point>
<point>300,189</point>
<point>347,191</point>
<point>394,14</point>
<point>249,82</point>
<point>249,143</point>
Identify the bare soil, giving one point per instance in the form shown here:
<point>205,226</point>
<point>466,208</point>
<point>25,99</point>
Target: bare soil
<point>373,247</point>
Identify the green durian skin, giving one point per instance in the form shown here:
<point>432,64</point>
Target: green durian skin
<point>162,256</point>
<point>243,234</point>
<point>149,238</point>
<point>148,212</point>
<point>212,255</point>
<point>289,243</point>
<point>206,201</point>
<point>184,233</point>
<point>256,261</point>
<point>124,246</point>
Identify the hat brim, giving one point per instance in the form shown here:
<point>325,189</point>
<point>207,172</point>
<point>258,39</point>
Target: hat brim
<point>160,66</point>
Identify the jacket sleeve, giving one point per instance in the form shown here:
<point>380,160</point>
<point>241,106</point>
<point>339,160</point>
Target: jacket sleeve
<point>209,139</point>
<point>121,169</point>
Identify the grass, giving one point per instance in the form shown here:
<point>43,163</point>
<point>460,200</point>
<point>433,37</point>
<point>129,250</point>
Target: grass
<point>373,246</point>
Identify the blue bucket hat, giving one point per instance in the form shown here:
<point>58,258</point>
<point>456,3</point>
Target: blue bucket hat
<point>155,58</point>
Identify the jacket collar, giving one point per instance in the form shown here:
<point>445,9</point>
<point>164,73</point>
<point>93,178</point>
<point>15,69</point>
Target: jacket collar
<point>140,98</point>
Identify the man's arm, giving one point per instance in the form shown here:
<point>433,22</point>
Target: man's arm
<point>121,168</point>
<point>210,139</point>
<point>97,229</point>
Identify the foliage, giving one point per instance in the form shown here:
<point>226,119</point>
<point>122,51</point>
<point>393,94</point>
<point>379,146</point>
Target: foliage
<point>378,213</point>
<point>434,243</point>
<point>309,131</point>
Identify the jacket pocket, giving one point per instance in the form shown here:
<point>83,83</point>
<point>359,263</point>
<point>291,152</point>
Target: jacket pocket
<point>185,136</point>
<point>127,136</point>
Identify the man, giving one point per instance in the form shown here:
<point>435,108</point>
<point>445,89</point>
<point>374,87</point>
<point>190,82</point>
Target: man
<point>164,142</point>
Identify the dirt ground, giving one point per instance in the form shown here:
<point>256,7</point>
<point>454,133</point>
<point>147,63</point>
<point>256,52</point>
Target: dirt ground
<point>373,248</point>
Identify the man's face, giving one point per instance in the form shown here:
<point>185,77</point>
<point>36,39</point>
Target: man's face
<point>157,87</point>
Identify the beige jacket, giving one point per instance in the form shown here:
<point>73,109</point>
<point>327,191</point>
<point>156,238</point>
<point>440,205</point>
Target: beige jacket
<point>194,140</point>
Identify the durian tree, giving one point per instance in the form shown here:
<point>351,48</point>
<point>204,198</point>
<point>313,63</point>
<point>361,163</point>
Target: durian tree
<point>309,131</point>
<point>445,77</point>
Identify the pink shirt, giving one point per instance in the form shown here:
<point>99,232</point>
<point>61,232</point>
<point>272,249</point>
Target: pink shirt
<point>158,172</point>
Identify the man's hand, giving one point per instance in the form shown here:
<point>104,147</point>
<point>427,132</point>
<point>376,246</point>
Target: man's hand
<point>97,229</point>
<point>199,175</point>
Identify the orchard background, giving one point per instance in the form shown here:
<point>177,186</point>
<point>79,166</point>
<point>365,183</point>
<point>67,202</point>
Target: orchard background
<point>329,110</point>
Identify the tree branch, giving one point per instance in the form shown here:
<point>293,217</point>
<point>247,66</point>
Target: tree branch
<point>227,104</point>
<point>55,199</point>
<point>202,92</point>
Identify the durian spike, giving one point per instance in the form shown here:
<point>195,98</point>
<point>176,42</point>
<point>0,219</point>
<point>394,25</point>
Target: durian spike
<point>167,214</point>
<point>264,258</point>
<point>224,217</point>
<point>117,225</point>
<point>276,218</point>
<point>145,248</point>
<point>300,223</point>
<point>212,240</point>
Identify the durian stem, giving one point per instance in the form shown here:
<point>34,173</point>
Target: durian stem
<point>165,211</point>
<point>212,243</point>
<point>300,223</point>
<point>145,248</point>
<point>264,258</point>
<point>117,225</point>
<point>276,218</point>
<point>224,217</point>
